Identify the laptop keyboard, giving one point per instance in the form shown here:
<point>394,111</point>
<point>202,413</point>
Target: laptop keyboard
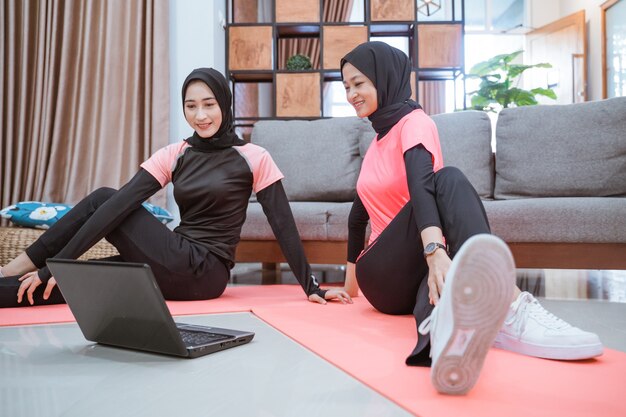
<point>191,338</point>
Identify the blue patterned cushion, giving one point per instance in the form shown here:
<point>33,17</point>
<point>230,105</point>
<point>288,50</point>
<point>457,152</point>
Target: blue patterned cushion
<point>43,215</point>
<point>34,213</point>
<point>160,213</point>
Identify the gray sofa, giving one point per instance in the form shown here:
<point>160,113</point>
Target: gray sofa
<point>554,190</point>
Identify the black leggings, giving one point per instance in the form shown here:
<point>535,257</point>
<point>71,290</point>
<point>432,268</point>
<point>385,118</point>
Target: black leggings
<point>183,269</point>
<point>392,272</point>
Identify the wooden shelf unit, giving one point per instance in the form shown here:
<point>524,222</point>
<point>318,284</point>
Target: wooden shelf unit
<point>253,49</point>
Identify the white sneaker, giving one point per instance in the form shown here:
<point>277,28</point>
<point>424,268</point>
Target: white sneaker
<point>471,310</point>
<point>531,330</point>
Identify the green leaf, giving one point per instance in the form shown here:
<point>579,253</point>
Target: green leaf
<point>498,62</point>
<point>547,92</point>
<point>480,102</point>
<point>515,70</point>
<point>503,97</point>
<point>484,68</point>
<point>510,57</point>
<point>522,97</point>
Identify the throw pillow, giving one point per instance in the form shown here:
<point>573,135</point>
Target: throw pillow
<point>34,213</point>
<point>43,215</point>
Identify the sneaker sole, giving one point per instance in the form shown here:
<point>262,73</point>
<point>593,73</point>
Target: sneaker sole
<point>482,289</point>
<point>564,353</point>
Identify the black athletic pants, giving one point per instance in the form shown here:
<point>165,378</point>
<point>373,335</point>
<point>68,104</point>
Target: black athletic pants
<point>183,269</point>
<point>392,272</point>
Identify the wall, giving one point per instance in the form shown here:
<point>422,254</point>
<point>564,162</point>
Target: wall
<point>197,39</point>
<point>543,12</point>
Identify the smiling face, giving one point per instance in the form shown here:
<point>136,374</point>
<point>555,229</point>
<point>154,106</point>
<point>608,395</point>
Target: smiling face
<point>360,91</point>
<point>202,111</point>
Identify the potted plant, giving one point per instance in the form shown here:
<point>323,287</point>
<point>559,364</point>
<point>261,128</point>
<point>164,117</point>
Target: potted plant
<point>499,89</point>
<point>299,62</point>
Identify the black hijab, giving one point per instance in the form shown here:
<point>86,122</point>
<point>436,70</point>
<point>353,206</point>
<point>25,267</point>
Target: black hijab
<point>389,69</point>
<point>225,137</point>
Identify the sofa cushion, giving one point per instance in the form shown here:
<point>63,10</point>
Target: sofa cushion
<point>310,218</point>
<point>565,219</point>
<point>338,221</point>
<point>367,136</point>
<point>315,220</point>
<point>562,150</point>
<point>465,143</point>
<point>320,159</point>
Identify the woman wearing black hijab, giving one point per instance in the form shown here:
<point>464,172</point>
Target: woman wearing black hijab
<point>412,201</point>
<point>214,173</point>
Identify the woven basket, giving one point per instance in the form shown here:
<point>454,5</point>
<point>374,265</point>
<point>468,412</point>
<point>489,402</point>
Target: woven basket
<point>13,241</point>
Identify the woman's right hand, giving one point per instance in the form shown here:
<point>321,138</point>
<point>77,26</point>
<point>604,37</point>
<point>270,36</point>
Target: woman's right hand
<point>438,265</point>
<point>30,281</point>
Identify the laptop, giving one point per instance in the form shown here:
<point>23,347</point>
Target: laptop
<point>120,304</point>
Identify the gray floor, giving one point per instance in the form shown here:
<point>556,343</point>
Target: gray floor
<point>51,370</point>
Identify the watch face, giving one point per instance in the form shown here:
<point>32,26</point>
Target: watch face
<point>430,248</point>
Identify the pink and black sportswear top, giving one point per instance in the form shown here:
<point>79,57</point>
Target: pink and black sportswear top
<point>212,189</point>
<point>382,185</point>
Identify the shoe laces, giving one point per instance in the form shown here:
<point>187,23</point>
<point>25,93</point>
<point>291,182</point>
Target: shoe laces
<point>428,322</point>
<point>527,306</point>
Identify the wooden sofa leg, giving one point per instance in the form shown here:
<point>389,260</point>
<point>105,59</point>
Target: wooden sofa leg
<point>270,273</point>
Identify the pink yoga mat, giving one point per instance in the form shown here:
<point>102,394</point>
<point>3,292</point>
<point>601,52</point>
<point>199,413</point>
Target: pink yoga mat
<point>372,347</point>
<point>234,299</point>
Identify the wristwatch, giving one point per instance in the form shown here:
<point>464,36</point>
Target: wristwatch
<point>432,247</point>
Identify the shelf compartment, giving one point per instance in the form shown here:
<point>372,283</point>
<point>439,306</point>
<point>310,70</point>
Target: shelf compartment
<point>250,11</point>
<point>341,12</point>
<point>288,47</point>
<point>338,41</point>
<point>250,48</point>
<point>392,10</point>
<point>450,11</point>
<point>440,45</point>
<point>298,94</point>
<point>297,11</point>
<point>253,99</point>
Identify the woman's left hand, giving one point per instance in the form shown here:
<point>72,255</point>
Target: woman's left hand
<point>30,282</point>
<point>332,294</point>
